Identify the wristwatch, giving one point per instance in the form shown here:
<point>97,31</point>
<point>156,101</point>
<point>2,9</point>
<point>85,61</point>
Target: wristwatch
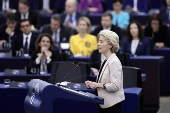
<point>104,86</point>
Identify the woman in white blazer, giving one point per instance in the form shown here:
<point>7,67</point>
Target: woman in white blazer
<point>109,83</point>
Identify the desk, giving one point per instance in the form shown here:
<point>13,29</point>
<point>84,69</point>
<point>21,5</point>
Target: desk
<point>24,78</point>
<point>165,77</point>
<point>12,101</point>
<point>95,19</point>
<point>4,50</point>
<point>151,91</point>
<point>14,63</point>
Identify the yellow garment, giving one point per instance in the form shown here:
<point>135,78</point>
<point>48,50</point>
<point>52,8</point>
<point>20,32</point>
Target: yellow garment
<point>83,46</point>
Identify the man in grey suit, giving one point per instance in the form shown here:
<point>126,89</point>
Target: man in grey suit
<point>59,32</point>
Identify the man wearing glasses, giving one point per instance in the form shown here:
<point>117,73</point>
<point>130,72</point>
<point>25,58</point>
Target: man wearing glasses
<point>26,40</point>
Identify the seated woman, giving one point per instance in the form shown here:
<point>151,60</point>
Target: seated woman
<point>93,6</point>
<point>44,55</point>
<point>136,43</point>
<point>120,17</point>
<point>159,32</point>
<point>83,43</point>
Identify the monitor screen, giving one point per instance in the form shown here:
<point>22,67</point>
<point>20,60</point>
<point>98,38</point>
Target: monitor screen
<point>131,77</point>
<point>75,74</point>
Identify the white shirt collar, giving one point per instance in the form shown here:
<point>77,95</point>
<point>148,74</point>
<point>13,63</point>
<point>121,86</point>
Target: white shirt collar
<point>109,28</point>
<point>26,16</point>
<point>29,35</point>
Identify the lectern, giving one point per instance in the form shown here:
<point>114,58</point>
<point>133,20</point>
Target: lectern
<point>41,96</point>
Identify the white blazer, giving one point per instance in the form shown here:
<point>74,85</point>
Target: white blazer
<point>112,76</point>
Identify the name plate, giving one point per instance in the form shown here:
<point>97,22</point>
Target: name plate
<point>6,45</point>
<point>17,53</point>
<point>34,71</point>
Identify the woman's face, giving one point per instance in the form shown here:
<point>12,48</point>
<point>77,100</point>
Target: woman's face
<point>82,26</point>
<point>134,31</point>
<point>45,42</point>
<point>103,46</point>
<point>155,25</point>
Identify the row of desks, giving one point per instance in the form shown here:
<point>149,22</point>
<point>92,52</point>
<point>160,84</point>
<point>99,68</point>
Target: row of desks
<point>95,19</point>
<point>155,67</point>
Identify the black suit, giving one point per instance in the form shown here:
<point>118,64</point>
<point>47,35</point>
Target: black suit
<point>18,43</point>
<point>161,36</point>
<point>54,57</point>
<point>33,17</point>
<point>164,15</point>
<point>4,35</point>
<point>65,32</point>
<point>95,58</point>
<point>13,4</point>
<point>113,28</point>
<point>63,16</point>
<point>54,5</point>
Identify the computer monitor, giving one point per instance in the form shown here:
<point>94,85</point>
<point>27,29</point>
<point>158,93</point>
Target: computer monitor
<point>131,77</point>
<point>78,75</point>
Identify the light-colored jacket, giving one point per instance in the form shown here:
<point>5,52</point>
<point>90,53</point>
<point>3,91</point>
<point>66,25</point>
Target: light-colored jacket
<point>112,76</point>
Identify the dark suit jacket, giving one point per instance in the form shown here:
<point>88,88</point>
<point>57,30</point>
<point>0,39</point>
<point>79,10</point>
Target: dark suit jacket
<point>164,15</point>
<point>95,58</point>
<point>18,43</point>
<point>143,47</point>
<point>13,4</point>
<point>142,5</point>
<point>54,57</point>
<point>161,36</point>
<point>63,16</point>
<point>4,35</point>
<point>54,5</point>
<point>113,28</point>
<point>65,32</point>
<point>33,17</point>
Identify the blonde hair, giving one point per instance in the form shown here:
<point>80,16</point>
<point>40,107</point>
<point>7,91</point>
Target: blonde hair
<point>111,38</point>
<point>87,22</point>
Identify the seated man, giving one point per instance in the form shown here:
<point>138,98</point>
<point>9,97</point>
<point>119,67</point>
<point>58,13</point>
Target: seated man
<point>25,13</point>
<point>136,5</point>
<point>59,32</point>
<point>70,16</point>
<point>26,40</point>
<point>106,23</point>
<point>9,29</point>
<point>165,13</point>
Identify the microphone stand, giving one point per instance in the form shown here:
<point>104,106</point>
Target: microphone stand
<point>78,65</point>
<point>60,70</point>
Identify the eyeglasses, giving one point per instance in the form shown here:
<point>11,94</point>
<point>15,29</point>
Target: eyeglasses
<point>25,26</point>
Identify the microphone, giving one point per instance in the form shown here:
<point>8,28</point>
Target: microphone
<point>61,70</point>
<point>78,65</point>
